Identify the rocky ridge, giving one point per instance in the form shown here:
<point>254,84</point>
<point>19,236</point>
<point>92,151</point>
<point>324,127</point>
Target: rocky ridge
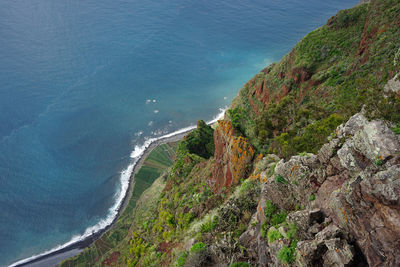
<point>348,196</point>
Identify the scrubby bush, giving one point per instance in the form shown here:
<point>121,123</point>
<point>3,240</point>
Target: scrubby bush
<point>209,225</point>
<point>309,140</point>
<point>198,247</point>
<point>201,140</point>
<point>273,217</point>
<point>270,209</point>
<point>273,235</point>
<point>180,262</point>
<point>286,255</point>
<point>237,117</point>
<point>278,218</point>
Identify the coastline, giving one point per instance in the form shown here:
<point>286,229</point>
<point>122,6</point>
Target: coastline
<point>56,255</point>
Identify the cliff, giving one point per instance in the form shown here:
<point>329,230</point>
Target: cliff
<point>304,170</point>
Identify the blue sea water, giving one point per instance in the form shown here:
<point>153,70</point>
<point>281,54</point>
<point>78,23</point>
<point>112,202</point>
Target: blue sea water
<point>82,82</point>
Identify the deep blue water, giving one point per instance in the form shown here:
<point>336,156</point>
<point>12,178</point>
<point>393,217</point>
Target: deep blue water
<point>74,79</point>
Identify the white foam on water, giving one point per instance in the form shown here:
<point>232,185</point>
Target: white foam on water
<point>136,154</point>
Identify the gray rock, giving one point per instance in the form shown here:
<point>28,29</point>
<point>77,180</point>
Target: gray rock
<point>384,185</point>
<point>349,159</point>
<point>392,86</point>
<point>376,141</point>
<point>355,123</point>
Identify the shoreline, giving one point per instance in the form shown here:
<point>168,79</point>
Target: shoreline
<point>77,247</point>
<point>53,258</point>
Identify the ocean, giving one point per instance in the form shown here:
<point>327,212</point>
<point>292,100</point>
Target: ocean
<point>84,84</point>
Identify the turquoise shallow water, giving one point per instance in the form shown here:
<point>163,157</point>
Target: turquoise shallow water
<point>84,82</point>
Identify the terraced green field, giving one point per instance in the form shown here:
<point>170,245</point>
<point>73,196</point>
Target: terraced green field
<point>155,164</point>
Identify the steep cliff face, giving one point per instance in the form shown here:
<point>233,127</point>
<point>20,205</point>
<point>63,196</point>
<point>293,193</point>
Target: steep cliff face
<point>233,157</point>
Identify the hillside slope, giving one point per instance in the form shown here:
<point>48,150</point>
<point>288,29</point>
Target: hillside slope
<point>304,170</point>
<point>292,106</point>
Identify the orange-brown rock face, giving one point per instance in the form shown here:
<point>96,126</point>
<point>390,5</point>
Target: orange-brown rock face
<point>232,156</point>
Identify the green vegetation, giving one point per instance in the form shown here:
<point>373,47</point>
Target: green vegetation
<point>155,164</point>
<point>329,75</point>
<point>280,180</point>
<point>270,209</point>
<point>182,259</point>
<point>312,197</point>
<point>210,225</point>
<point>238,118</point>
<point>288,253</point>
<point>396,129</point>
<point>278,218</point>
<point>273,217</point>
<point>200,246</point>
<point>273,235</point>
<point>200,141</point>
<point>274,220</point>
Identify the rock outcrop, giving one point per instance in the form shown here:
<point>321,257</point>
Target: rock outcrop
<point>344,201</point>
<point>233,155</point>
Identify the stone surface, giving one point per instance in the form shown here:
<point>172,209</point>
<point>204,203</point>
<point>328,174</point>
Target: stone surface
<point>232,157</point>
<point>393,86</point>
<point>355,217</point>
<point>362,197</point>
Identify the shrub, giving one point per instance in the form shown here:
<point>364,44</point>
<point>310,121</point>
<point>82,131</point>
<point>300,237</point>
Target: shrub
<point>270,208</point>
<point>278,218</point>
<point>209,225</point>
<point>273,235</point>
<point>200,246</point>
<point>312,197</point>
<point>286,255</point>
<point>237,116</point>
<point>182,259</point>
<point>201,140</point>
<point>264,229</point>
